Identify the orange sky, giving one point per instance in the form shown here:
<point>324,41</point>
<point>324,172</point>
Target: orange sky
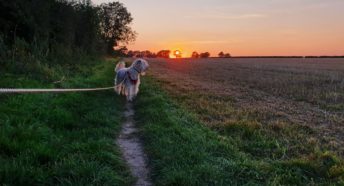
<point>255,27</point>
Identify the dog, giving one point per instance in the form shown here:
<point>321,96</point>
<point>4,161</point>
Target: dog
<point>127,81</point>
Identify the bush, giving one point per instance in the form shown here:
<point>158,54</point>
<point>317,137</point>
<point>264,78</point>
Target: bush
<point>3,50</point>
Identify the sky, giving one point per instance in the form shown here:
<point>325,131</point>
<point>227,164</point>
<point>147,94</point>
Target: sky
<point>239,27</point>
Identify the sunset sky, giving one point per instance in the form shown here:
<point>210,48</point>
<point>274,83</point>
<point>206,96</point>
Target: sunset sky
<point>240,27</point>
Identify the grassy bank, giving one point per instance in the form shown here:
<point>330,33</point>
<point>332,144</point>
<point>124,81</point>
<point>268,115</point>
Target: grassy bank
<point>184,152</point>
<point>61,139</point>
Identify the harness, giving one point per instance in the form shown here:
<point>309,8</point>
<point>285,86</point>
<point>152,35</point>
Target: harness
<point>133,81</point>
<point>136,70</point>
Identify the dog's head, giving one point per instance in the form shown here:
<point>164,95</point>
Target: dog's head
<point>141,66</point>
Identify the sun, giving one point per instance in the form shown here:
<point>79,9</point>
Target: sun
<point>177,54</point>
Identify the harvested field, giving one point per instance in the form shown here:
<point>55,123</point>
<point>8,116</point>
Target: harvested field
<point>298,102</point>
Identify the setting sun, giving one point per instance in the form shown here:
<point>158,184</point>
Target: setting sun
<point>177,54</point>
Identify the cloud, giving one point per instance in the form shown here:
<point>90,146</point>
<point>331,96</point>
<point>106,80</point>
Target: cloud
<point>228,17</point>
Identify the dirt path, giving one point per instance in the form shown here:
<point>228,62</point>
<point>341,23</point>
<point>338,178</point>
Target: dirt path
<point>132,149</point>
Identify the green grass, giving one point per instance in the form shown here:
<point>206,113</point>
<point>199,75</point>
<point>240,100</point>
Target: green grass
<point>61,139</point>
<point>183,151</point>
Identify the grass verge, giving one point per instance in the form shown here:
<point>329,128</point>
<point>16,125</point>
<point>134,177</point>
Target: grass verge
<point>61,139</point>
<point>183,151</point>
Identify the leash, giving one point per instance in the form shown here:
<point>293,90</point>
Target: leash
<point>36,91</point>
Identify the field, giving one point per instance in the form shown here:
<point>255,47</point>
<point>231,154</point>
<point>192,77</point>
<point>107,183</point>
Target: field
<point>272,121</point>
<point>272,93</point>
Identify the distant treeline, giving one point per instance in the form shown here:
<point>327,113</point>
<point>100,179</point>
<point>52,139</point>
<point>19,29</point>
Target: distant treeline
<point>288,57</point>
<point>165,54</point>
<point>61,30</point>
<point>146,53</point>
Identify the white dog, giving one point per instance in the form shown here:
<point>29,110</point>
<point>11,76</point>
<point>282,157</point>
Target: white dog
<point>127,80</point>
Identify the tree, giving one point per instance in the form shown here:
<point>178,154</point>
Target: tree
<point>205,55</point>
<point>114,24</point>
<point>57,30</point>
<point>164,53</point>
<point>195,55</point>
<point>87,27</point>
<point>149,54</point>
<point>137,53</point>
<point>130,53</point>
<point>221,55</point>
<point>121,51</point>
<point>227,55</point>
<point>145,53</point>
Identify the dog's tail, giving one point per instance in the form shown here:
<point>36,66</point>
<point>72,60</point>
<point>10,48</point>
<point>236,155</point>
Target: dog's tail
<point>120,66</point>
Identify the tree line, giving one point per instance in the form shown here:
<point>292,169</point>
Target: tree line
<point>166,54</point>
<point>56,30</point>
